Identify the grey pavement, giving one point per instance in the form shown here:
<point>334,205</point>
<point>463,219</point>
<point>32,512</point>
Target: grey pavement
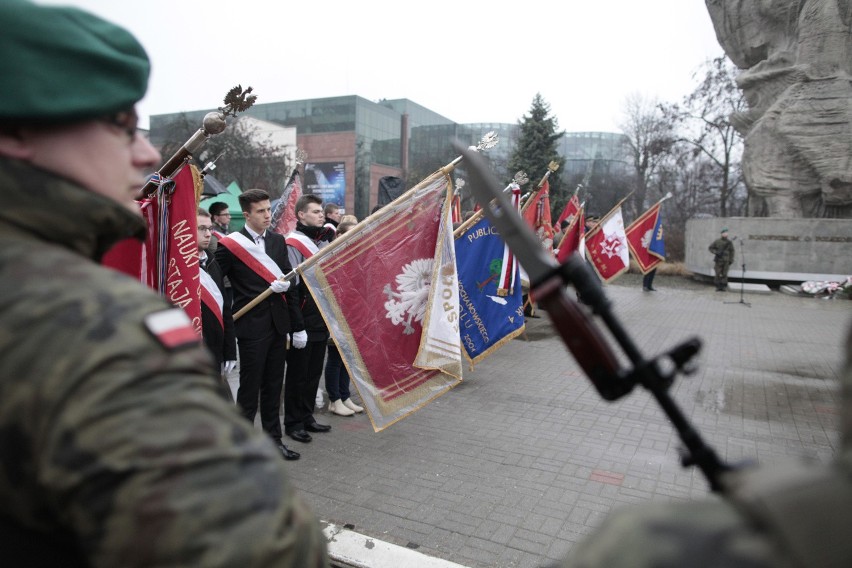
<point>523,458</point>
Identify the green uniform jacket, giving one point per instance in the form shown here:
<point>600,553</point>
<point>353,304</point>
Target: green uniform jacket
<point>117,451</point>
<point>723,251</point>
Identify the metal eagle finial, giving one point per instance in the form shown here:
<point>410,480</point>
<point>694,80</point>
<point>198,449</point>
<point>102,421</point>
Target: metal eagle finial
<point>238,100</point>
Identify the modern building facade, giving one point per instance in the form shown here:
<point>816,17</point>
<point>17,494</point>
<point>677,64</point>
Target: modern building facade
<point>351,143</point>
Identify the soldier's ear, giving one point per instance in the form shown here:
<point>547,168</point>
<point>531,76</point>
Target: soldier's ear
<point>13,143</point>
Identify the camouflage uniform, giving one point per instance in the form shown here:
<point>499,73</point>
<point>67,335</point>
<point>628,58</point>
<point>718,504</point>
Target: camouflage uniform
<point>782,516</point>
<point>723,257</point>
<point>118,451</point>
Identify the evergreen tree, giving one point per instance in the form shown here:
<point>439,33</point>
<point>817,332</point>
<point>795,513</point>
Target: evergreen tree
<point>537,147</point>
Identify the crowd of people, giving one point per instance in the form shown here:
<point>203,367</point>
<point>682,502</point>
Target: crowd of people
<point>283,340</point>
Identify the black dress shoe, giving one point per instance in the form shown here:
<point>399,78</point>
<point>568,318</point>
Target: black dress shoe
<point>317,427</point>
<point>288,453</point>
<point>299,436</point>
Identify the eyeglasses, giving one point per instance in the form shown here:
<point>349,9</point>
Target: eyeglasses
<point>223,215</point>
<point>205,229</point>
<point>127,120</point>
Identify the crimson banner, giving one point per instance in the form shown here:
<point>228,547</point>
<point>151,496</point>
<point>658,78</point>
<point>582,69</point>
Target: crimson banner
<point>388,291</point>
<point>643,234</point>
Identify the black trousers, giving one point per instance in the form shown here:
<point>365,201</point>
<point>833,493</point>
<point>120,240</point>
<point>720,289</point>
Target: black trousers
<point>304,370</point>
<point>262,372</point>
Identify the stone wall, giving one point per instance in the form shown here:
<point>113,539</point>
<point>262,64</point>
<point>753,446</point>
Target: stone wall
<point>775,249</point>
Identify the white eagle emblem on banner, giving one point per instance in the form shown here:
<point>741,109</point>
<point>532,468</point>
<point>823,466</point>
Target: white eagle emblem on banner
<point>408,303</point>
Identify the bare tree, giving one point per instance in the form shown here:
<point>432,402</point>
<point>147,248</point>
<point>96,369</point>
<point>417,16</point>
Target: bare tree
<point>248,157</point>
<point>704,120</point>
<point>650,138</point>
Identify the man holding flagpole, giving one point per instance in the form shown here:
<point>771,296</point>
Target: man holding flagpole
<point>255,259</point>
<point>645,239</point>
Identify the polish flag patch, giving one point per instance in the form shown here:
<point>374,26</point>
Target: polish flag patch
<point>172,328</point>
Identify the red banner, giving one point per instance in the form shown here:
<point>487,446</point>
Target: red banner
<point>574,238</point>
<point>571,210</point>
<point>389,294</point>
<point>182,285</point>
<point>640,235</point>
<point>537,213</point>
<point>168,265</point>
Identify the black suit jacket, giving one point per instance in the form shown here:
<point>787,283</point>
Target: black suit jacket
<point>278,311</point>
<point>221,342</point>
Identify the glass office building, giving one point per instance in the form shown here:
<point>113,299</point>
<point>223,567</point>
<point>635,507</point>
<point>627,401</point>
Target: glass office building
<point>395,138</point>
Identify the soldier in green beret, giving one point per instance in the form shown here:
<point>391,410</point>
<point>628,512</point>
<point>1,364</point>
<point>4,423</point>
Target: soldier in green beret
<point>723,257</point>
<point>118,446</point>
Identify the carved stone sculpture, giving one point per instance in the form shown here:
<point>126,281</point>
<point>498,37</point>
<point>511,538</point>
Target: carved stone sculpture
<point>796,57</point>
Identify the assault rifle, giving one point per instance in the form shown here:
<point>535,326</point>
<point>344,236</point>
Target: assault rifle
<point>578,329</point>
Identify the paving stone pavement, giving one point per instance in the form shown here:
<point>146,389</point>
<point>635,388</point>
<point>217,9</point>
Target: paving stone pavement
<point>523,458</point>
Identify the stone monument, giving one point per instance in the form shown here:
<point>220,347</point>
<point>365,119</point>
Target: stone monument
<point>796,57</point>
<point>796,62</point>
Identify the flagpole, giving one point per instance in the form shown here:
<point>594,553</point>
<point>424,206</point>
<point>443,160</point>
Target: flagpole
<point>214,123</point>
<point>551,167</point>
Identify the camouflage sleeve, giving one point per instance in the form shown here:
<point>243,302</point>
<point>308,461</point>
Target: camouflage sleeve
<point>708,534</point>
<point>143,461</point>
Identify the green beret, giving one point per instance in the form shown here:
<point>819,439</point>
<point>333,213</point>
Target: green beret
<point>724,230</point>
<point>62,64</point>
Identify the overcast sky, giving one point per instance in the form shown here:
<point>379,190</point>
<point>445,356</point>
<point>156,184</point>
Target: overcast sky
<point>469,60</point>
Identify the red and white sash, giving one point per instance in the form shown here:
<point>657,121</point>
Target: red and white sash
<point>211,296</point>
<point>302,243</point>
<point>252,255</point>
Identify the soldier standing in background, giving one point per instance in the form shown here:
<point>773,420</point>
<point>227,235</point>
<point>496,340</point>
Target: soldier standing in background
<point>723,257</point>
<point>118,446</point>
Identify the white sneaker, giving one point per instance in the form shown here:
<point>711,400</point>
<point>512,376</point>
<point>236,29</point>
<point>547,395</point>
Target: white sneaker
<point>352,406</point>
<point>337,407</point>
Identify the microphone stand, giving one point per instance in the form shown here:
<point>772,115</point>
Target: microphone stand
<point>742,277</point>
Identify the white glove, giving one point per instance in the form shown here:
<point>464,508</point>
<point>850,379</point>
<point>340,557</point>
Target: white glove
<point>300,339</point>
<point>228,366</point>
<point>279,286</point>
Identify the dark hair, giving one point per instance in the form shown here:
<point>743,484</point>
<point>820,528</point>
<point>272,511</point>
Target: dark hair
<point>305,200</point>
<point>331,208</point>
<point>202,213</point>
<point>217,207</point>
<point>250,196</point>
<point>563,224</point>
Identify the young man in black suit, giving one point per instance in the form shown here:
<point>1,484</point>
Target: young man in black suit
<point>254,259</point>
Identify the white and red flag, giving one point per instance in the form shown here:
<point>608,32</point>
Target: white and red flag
<point>606,246</point>
<point>284,215</point>
<point>645,239</point>
<point>388,290</point>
